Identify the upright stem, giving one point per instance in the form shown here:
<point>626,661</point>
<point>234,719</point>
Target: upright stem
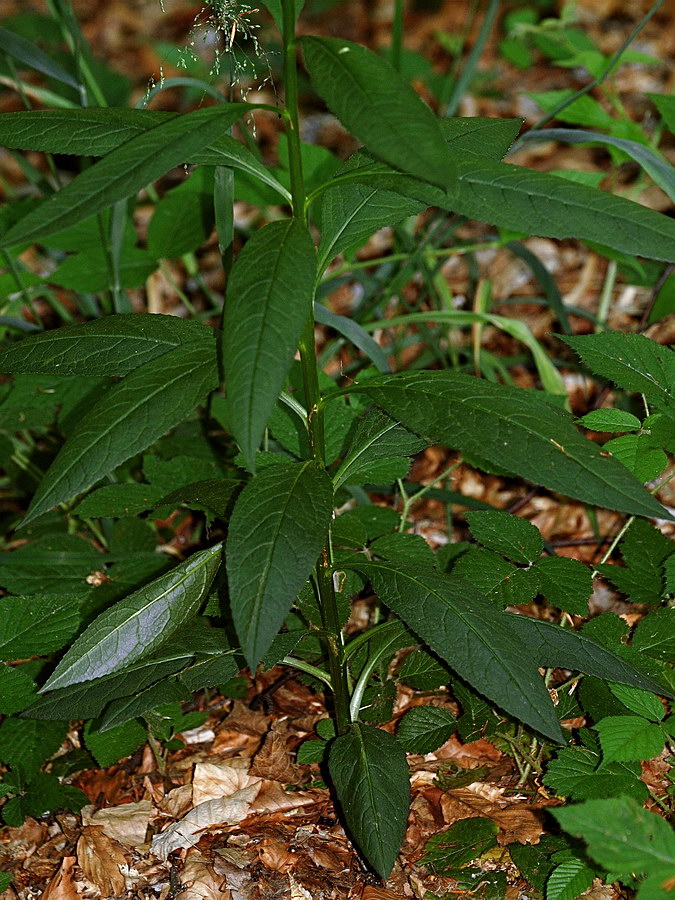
<point>310,377</point>
<point>397,35</point>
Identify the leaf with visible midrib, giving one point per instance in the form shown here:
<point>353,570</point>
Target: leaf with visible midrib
<point>373,102</point>
<point>463,627</point>
<point>369,770</point>
<point>112,345</point>
<point>125,171</point>
<point>127,419</point>
<point>269,298</point>
<point>139,624</point>
<point>276,532</point>
<point>513,429</point>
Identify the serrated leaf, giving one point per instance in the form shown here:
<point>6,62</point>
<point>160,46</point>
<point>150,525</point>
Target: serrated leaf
<point>369,771</point>
<point>404,548</point>
<point>113,500</point>
<point>123,710</point>
<point>463,628</point>
<point>632,361</point>
<point>513,537</point>
<point>115,744</point>
<point>269,297</point>
<point>130,417</point>
<point>425,728</point>
<point>497,578</point>
<point>625,738</point>
<point>373,102</point>
<point>655,634</point>
<point>513,429</point>
<point>462,842</point>
<point>612,420</point>
<point>26,744</point>
<point>568,880</point>
<point>311,752</point>
<point>112,345</point>
<point>574,773</point>
<point>125,171</point>
<point>216,495</point>
<point>566,583</point>
<point>276,532</point>
<point>636,454</point>
<point>621,836</point>
<point>551,645</point>
<point>641,702</point>
<point>17,690</point>
<point>139,624</point>
<point>36,625</point>
<point>424,672</point>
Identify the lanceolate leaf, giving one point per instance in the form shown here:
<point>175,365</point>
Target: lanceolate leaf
<point>370,98</point>
<point>269,297</point>
<point>125,171</point>
<point>276,532</point>
<point>127,419</point>
<point>368,768</point>
<point>512,429</point>
<point>137,625</point>
<point>551,645</point>
<point>476,640</point>
<point>113,345</point>
<point>26,52</point>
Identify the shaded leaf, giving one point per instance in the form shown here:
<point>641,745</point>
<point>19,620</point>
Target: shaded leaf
<point>26,744</point>
<point>566,583</point>
<point>462,842</point>
<point>574,773</point>
<point>425,728</point>
<point>625,738</point>
<point>513,537</point>
<point>36,625</point>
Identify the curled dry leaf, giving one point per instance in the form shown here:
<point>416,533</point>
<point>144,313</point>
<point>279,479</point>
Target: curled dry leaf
<point>100,858</point>
<point>212,780</point>
<point>62,886</point>
<point>273,761</point>
<point>127,823</point>
<point>298,892</point>
<point>200,880</point>
<point>275,856</point>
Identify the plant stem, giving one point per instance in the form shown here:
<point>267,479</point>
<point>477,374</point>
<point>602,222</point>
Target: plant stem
<point>310,377</point>
<point>397,35</point>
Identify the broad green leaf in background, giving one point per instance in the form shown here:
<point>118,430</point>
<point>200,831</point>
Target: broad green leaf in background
<point>137,625</point>
<point>632,361</point>
<point>26,52</point>
<point>465,840</point>
<point>665,103</point>
<point>637,453</point>
<point>269,298</point>
<point>27,744</point>
<point>513,429</point>
<point>36,625</point>
<point>125,171</point>
<point>652,162</point>
<point>227,151</point>
<point>355,333</point>
<point>183,218</point>
<point>515,538</point>
<point>566,583</point>
<point>655,635</point>
<point>623,837</point>
<point>17,690</point>
<point>425,728</point>
<point>116,744</point>
<point>569,879</point>
<point>276,532</point>
<point>476,640</point>
<point>576,772</point>
<point>372,101</point>
<point>275,10</point>
<point>127,419</point>
<point>550,645</point>
<point>369,770</point>
<point>612,420</point>
<point>625,738</point>
<point>90,271</point>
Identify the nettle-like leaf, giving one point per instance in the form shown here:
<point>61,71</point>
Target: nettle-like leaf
<point>276,532</point>
<point>125,171</point>
<point>512,429</point>
<point>136,626</point>
<point>515,538</point>
<point>463,627</point>
<point>576,772</point>
<point>378,107</point>
<point>369,770</point>
<point>112,345</point>
<point>129,417</point>
<point>425,728</point>
<point>269,298</point>
<point>36,625</point>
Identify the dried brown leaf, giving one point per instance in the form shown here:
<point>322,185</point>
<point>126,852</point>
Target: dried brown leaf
<point>273,760</point>
<point>200,881</point>
<point>517,822</point>
<point>127,823</point>
<point>212,780</point>
<point>100,858</point>
<point>62,886</point>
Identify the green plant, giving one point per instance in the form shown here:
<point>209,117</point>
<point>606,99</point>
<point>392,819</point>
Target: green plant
<point>280,445</point>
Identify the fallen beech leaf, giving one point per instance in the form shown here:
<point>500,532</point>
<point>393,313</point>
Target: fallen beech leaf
<point>178,801</point>
<point>62,887</point>
<point>298,892</point>
<point>273,798</point>
<point>273,761</point>
<point>100,858</point>
<point>275,856</point>
<point>212,780</point>
<point>127,823</point>
<point>222,811</point>
<point>200,880</point>
<point>375,893</point>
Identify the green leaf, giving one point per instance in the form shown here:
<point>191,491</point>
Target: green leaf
<point>123,710</point>
<point>125,171</point>
<point>515,538</point>
<point>113,500</point>
<point>568,880</point>
<point>566,583</point>
<point>534,861</point>
<point>6,879</point>
<point>372,101</point>
<point>128,418</point>
<point>311,752</point>
<point>115,744</point>
<point>17,690</point>
<point>137,625</point>
<point>551,645</point>
<point>625,738</point>
<point>641,702</point>
<point>463,842</point>
<point>26,744</point>
<point>112,345</point>
<point>574,773</point>
<point>424,672</point>
<point>90,271</point>
<point>655,635</point>
<point>644,549</point>
<point>404,548</point>
<point>498,579</point>
<point>183,218</point>
<point>276,532</point>
<point>636,454</point>
<point>612,420</point>
<point>214,495</point>
<point>512,429</point>
<point>632,361</point>
<point>227,151</point>
<point>425,728</point>
<point>275,10</point>
<point>354,333</point>
<point>476,640</point>
<point>26,52</point>
<point>369,771</point>
<point>269,297</point>
<point>665,103</point>
<point>621,836</point>
<point>36,625</point>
